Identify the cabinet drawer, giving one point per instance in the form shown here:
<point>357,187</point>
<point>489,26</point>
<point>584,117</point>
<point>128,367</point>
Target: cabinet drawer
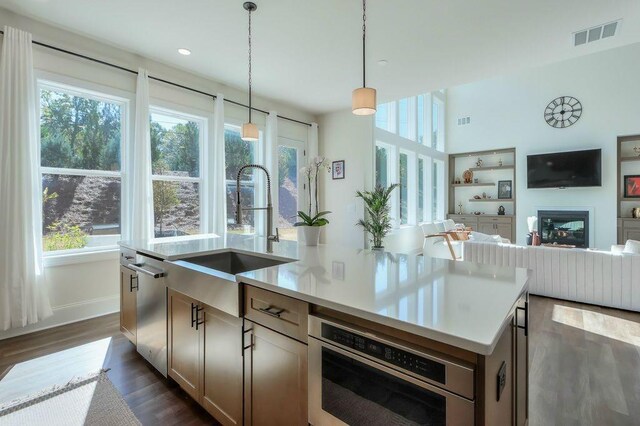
<point>631,223</point>
<point>495,220</point>
<point>280,313</point>
<point>464,219</point>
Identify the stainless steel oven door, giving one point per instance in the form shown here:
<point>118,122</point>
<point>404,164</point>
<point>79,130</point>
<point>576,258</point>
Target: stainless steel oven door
<point>346,388</point>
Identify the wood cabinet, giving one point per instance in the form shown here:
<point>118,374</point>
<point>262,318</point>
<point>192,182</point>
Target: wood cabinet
<point>205,356</point>
<point>496,225</point>
<point>275,378</point>
<point>183,343</point>
<point>628,229</point>
<point>128,290</point>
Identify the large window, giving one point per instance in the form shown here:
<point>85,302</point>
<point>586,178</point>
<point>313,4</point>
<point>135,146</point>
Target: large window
<point>237,154</point>
<point>412,154</point>
<point>176,141</point>
<point>81,140</point>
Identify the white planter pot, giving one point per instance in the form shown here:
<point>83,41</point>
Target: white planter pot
<point>311,235</point>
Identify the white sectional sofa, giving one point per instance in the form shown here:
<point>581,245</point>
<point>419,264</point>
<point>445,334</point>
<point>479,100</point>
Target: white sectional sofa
<point>587,276</point>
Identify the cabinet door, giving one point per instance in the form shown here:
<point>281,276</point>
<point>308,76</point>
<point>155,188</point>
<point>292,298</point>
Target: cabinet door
<point>183,343</point>
<point>276,378</point>
<point>128,289</point>
<point>504,230</point>
<point>487,228</point>
<point>631,234</point>
<point>222,366</point>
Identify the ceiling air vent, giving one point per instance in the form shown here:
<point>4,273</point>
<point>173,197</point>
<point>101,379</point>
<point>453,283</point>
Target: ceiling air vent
<point>596,33</point>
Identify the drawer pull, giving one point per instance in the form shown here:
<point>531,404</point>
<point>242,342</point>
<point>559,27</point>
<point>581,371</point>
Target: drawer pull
<point>271,310</point>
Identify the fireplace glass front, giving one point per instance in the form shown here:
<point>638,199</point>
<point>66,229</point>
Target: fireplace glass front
<point>564,227</point>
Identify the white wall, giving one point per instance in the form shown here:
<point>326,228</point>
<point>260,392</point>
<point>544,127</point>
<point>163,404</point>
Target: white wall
<point>344,136</point>
<point>88,289</point>
<point>508,112</point>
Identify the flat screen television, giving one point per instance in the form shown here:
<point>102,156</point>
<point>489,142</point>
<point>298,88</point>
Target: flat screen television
<point>565,169</point>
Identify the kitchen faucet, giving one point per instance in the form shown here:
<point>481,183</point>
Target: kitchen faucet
<point>270,238</point>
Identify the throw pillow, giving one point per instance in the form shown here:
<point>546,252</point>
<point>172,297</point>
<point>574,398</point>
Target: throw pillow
<point>632,247</point>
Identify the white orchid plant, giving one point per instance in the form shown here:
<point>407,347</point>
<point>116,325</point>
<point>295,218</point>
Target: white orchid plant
<point>310,172</point>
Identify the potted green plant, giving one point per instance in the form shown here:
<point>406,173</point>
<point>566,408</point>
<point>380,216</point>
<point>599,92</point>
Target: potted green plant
<point>312,225</point>
<point>377,207</point>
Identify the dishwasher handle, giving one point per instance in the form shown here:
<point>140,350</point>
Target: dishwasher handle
<point>152,272</point>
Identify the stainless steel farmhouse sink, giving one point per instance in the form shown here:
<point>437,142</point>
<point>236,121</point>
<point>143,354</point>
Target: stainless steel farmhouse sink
<point>211,278</point>
<point>233,263</point>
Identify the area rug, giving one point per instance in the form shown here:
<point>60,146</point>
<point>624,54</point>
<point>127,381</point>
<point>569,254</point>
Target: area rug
<point>90,400</point>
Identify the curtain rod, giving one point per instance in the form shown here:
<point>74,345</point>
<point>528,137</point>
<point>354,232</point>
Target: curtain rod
<point>89,58</point>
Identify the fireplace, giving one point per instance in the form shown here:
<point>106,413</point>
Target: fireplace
<point>564,227</point>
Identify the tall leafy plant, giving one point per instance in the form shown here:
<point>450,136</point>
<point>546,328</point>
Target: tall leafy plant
<point>377,208</point>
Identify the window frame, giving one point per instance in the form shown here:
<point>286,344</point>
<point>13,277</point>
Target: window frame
<point>184,113</point>
<point>100,93</point>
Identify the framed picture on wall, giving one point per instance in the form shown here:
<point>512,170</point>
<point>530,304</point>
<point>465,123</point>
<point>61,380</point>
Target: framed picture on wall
<point>505,189</point>
<point>632,186</point>
<point>337,169</point>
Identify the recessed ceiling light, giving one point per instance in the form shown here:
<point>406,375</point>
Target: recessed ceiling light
<point>183,51</point>
<point>383,62</point>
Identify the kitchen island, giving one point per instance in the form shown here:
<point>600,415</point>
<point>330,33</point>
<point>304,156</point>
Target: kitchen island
<point>453,333</point>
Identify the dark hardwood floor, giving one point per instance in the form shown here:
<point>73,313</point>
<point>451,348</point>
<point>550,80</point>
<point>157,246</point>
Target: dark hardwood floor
<point>585,366</point>
<point>152,398</point>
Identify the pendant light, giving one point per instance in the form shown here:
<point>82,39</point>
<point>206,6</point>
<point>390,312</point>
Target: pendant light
<point>249,130</point>
<point>363,101</point>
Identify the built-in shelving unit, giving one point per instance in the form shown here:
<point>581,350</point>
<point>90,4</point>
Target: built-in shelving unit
<point>628,164</point>
<point>497,165</point>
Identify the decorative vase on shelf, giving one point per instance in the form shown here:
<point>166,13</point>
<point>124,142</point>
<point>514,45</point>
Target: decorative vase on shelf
<point>311,235</point>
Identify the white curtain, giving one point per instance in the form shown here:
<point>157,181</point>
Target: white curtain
<point>142,194</point>
<point>219,169</point>
<point>22,297</point>
<point>271,162</point>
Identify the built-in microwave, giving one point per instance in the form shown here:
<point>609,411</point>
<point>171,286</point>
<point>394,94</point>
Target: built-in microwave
<point>358,377</point>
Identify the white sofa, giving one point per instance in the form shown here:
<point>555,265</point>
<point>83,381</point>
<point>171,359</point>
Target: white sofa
<point>607,278</point>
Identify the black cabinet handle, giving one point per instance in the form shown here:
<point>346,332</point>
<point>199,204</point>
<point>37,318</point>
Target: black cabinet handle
<point>131,287</point>
<point>524,327</point>
<point>271,310</point>
<point>195,316</point>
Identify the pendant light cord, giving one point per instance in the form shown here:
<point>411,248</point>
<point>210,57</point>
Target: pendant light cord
<point>364,33</point>
<point>249,65</point>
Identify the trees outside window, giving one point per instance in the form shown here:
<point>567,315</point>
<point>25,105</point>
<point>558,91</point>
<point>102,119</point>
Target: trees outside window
<point>81,140</point>
<point>176,141</point>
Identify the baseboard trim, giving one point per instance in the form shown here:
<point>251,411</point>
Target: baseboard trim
<point>70,313</point>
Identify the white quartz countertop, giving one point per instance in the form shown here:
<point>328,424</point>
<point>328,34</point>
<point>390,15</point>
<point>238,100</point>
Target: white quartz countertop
<point>463,304</point>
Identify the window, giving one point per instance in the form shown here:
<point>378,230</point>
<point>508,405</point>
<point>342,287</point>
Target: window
<point>412,154</point>
<point>404,189</point>
<point>81,139</point>
<point>291,189</point>
<point>237,154</point>
<point>382,166</point>
<point>421,190</point>
<point>176,141</point>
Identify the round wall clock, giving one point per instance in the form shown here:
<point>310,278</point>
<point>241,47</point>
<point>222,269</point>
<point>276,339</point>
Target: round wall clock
<point>562,112</point>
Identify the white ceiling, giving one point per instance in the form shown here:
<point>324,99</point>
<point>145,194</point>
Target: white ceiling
<point>308,53</point>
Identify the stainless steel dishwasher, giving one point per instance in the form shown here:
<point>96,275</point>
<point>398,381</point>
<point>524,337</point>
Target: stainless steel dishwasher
<point>151,311</point>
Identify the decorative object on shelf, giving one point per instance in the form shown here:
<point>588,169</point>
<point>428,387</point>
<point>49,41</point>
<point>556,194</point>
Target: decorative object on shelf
<point>500,162</point>
<point>250,130</point>
<point>635,212</point>
<point>363,99</point>
<point>505,190</point>
<point>312,225</point>
<point>484,195</point>
<point>632,186</point>
<point>377,206</point>
<point>337,170</point>
<point>636,149</point>
<point>535,239</point>
<point>460,207</point>
<point>467,175</point>
<point>475,180</point>
<point>477,213</point>
<point>476,197</point>
<point>562,112</point>
<point>479,162</point>
<point>501,211</point>
<point>457,181</point>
